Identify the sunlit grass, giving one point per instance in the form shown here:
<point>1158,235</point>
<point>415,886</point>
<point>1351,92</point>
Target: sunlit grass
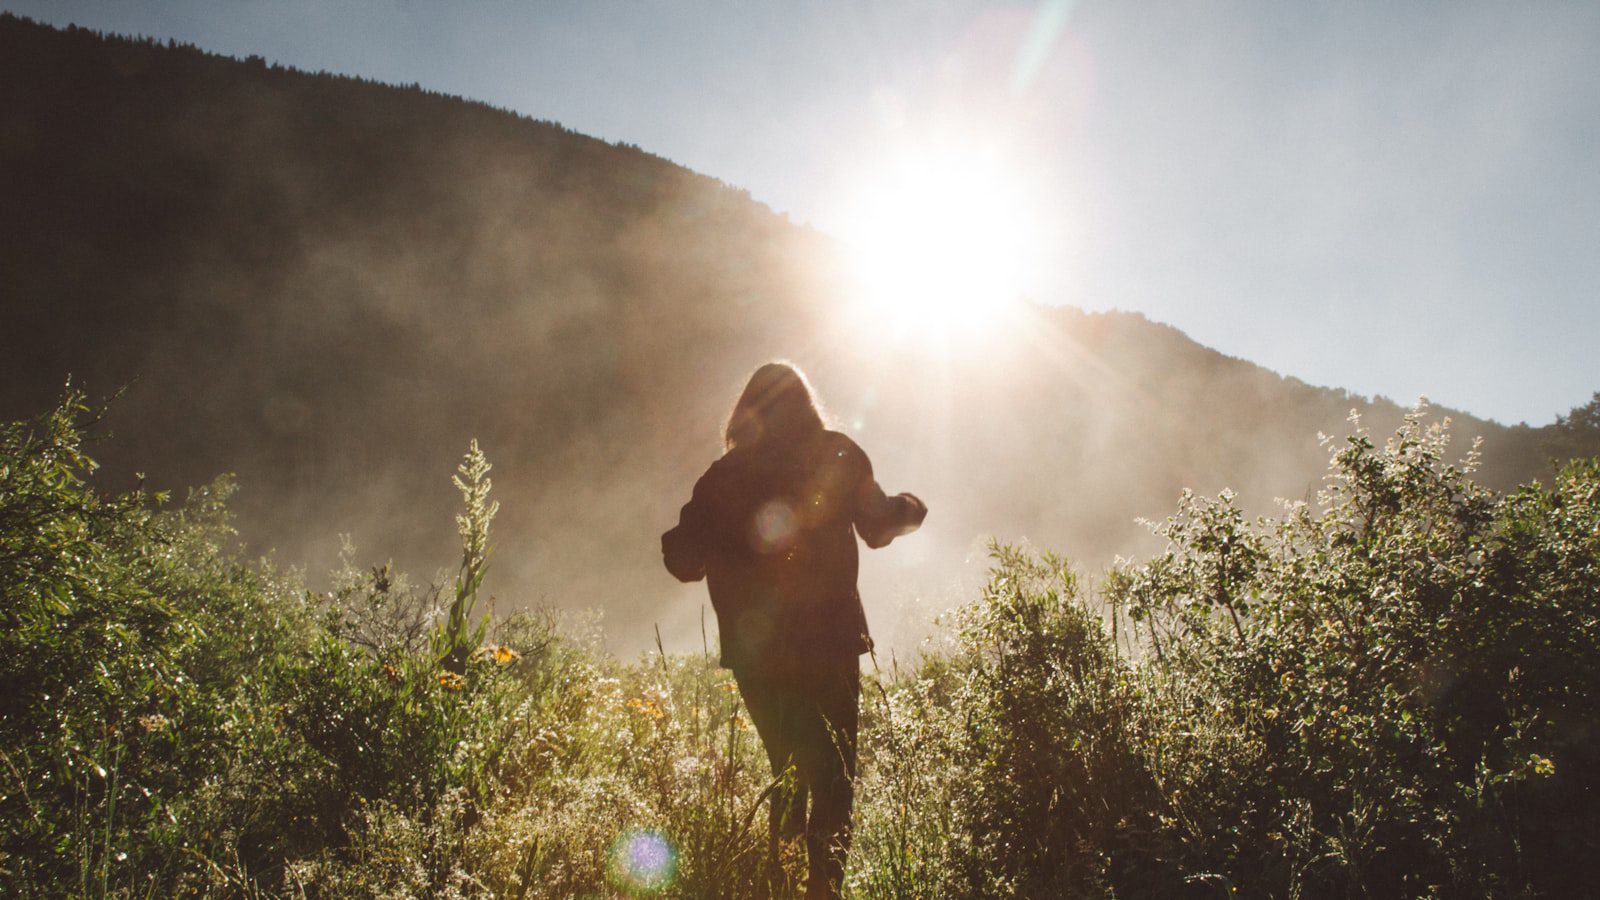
<point>1264,709</point>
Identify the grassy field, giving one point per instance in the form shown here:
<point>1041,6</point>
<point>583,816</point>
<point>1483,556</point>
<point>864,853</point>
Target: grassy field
<point>1390,691</point>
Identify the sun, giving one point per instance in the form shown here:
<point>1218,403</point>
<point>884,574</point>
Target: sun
<point>941,241</point>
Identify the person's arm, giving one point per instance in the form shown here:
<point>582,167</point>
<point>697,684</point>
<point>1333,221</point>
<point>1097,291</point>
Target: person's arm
<point>683,548</point>
<point>878,517</point>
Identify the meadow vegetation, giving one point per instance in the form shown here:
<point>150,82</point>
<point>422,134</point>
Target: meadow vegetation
<point>1389,691</point>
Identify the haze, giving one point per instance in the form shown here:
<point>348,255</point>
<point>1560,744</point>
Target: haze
<point>329,286</point>
<point>1397,199</point>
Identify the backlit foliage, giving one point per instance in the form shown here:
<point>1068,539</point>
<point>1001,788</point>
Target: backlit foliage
<point>1388,691</point>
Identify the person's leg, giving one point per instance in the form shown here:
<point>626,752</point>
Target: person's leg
<point>828,753</point>
<point>771,704</point>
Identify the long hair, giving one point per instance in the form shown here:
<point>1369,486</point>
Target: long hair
<point>777,403</point>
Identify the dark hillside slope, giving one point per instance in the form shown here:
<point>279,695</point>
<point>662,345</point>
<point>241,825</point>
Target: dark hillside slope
<point>328,285</point>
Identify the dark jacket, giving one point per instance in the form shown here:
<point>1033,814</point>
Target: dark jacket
<point>769,528</point>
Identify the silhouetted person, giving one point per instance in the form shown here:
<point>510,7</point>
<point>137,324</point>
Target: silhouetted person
<point>769,527</point>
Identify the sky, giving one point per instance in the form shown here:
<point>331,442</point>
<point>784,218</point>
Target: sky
<point>1399,199</point>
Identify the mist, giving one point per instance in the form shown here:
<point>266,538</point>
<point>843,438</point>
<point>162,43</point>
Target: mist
<point>328,287</point>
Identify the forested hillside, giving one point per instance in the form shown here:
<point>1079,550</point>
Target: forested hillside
<point>327,286</point>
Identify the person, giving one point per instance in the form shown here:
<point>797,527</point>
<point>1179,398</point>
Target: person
<point>771,526</point>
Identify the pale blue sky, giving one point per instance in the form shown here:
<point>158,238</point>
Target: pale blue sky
<point>1397,198</point>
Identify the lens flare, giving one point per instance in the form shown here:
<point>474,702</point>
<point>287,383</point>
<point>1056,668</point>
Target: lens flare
<point>774,528</point>
<point>643,861</point>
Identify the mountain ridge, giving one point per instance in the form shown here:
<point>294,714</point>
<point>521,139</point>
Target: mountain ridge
<point>328,285</point>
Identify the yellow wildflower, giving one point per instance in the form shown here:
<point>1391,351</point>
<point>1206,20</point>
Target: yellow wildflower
<point>647,708</point>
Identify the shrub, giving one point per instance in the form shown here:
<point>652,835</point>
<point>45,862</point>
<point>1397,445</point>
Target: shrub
<point>1409,666</point>
<point>127,640</point>
<point>1391,691</point>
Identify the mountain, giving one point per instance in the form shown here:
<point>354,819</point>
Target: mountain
<point>328,285</point>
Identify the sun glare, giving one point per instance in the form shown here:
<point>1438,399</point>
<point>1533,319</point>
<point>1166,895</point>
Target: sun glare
<point>940,242</point>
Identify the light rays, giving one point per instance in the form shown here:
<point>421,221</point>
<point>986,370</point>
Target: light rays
<point>942,241</point>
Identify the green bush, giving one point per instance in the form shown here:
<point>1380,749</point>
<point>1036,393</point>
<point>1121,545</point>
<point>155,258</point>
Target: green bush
<point>1409,667</point>
<point>1389,692</point>
<point>125,642</point>
<point>179,719</point>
